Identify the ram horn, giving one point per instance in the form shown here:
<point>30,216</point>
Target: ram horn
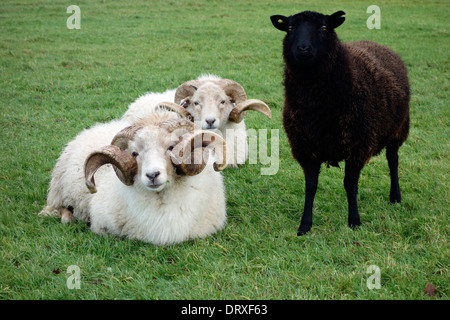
<point>174,124</point>
<point>171,106</point>
<point>237,93</point>
<point>122,138</point>
<point>191,154</point>
<point>186,90</point>
<point>238,112</point>
<point>124,163</point>
<point>234,90</point>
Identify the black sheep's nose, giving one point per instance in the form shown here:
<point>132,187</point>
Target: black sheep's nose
<point>304,48</point>
<point>152,176</point>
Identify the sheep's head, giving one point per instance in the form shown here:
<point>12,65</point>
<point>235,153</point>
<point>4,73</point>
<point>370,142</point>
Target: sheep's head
<point>213,103</point>
<point>152,156</point>
<point>310,36</point>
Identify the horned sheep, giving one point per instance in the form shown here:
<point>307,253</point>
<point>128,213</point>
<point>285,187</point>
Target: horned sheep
<point>163,188</point>
<point>213,103</point>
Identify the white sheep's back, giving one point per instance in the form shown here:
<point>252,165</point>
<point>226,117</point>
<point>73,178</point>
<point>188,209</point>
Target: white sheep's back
<point>145,105</point>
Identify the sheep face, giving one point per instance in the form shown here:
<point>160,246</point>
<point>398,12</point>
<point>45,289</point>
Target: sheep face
<point>310,36</point>
<point>150,147</point>
<point>215,102</point>
<point>152,156</point>
<point>210,106</point>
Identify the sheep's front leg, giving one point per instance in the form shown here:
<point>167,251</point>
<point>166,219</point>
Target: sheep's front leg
<point>351,178</point>
<point>311,171</point>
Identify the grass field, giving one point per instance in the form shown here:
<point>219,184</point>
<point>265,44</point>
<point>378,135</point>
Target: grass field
<point>56,81</point>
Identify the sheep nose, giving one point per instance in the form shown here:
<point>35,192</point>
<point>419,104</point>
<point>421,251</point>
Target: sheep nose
<point>152,176</point>
<point>304,48</point>
<point>210,121</point>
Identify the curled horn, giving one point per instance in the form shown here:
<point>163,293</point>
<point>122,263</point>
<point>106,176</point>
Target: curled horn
<point>174,124</point>
<point>238,112</point>
<point>237,94</point>
<point>190,156</point>
<point>124,163</point>
<point>176,108</point>
<point>233,90</point>
<point>186,90</point>
<point>122,138</point>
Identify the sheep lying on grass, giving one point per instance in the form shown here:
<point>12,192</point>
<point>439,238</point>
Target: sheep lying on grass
<point>343,101</point>
<point>213,103</point>
<point>162,190</point>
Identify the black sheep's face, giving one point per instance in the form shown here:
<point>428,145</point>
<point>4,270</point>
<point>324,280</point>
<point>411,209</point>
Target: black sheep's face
<point>307,41</point>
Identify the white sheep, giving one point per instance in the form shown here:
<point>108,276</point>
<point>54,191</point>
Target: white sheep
<point>163,189</point>
<point>215,104</point>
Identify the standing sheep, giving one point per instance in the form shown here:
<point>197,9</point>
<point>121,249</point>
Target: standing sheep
<point>343,101</point>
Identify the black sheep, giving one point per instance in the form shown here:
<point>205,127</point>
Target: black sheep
<point>343,101</point>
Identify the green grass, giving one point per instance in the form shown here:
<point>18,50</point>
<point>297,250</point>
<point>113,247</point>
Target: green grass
<point>55,82</point>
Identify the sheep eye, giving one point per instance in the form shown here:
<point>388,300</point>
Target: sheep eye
<point>222,102</point>
<point>323,28</point>
<point>135,154</point>
<point>170,148</point>
<point>196,103</point>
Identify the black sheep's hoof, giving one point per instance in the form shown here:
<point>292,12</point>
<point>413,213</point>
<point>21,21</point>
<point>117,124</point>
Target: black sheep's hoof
<point>354,224</point>
<point>395,198</point>
<point>303,229</point>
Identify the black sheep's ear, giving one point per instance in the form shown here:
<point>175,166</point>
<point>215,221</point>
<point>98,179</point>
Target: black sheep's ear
<point>280,22</point>
<point>335,20</point>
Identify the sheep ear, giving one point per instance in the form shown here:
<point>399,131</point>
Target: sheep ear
<point>280,22</point>
<point>335,20</point>
<point>185,102</point>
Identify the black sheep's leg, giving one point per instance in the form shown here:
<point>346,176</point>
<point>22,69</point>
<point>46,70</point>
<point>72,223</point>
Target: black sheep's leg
<point>311,171</point>
<point>392,158</point>
<point>352,172</point>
